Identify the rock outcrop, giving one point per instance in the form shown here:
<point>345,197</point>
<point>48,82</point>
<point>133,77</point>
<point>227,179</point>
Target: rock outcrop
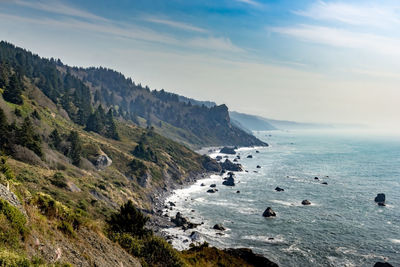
<point>278,189</point>
<point>103,161</point>
<point>230,166</point>
<point>306,202</point>
<point>380,199</point>
<point>269,212</point>
<point>228,150</point>
<point>219,226</point>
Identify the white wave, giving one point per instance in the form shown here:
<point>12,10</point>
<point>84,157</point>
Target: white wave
<point>268,239</point>
<point>396,241</point>
<point>285,203</point>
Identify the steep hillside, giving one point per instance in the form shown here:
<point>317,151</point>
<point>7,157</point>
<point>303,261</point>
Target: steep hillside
<point>171,115</point>
<point>67,166</point>
<point>251,122</point>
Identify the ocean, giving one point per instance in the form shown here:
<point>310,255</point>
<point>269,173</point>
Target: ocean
<point>342,227</point>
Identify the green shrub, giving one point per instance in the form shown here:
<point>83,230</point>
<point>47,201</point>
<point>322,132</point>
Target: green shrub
<point>5,168</point>
<point>131,244</point>
<point>66,228</point>
<point>12,225</point>
<point>11,259</point>
<point>128,220</point>
<point>59,180</point>
<point>157,252</point>
<point>56,210</point>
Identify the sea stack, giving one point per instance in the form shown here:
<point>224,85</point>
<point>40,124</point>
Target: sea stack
<point>380,199</point>
<point>269,213</point>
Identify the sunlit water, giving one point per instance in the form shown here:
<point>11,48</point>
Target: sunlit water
<point>342,227</point>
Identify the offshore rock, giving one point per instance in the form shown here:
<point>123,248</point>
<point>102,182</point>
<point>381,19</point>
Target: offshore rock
<point>230,166</point>
<point>228,150</point>
<point>269,212</point>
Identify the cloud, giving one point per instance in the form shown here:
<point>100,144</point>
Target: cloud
<point>214,43</point>
<point>130,32</point>
<point>176,24</point>
<point>341,38</point>
<point>250,2</point>
<point>58,7</point>
<point>359,15</point>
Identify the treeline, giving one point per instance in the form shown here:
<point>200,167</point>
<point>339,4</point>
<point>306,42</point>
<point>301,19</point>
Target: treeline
<point>64,89</point>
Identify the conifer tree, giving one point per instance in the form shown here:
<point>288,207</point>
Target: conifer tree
<point>27,137</point>
<point>111,127</point>
<point>13,91</point>
<point>76,148</point>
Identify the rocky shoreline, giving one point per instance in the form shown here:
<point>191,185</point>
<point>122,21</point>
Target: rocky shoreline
<point>160,221</point>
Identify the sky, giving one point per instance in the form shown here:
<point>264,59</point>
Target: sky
<point>310,61</point>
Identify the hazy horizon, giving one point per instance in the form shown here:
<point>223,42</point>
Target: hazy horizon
<point>328,62</point>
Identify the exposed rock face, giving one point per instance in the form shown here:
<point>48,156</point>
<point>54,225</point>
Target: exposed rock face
<point>219,226</point>
<point>72,187</point>
<point>210,164</point>
<point>144,180</point>
<point>228,150</point>
<point>11,198</point>
<point>279,189</point>
<point>251,258</point>
<point>218,158</point>
<point>230,166</point>
<point>103,161</point>
<point>306,202</point>
<point>269,212</point>
<point>183,222</point>
<point>380,198</point>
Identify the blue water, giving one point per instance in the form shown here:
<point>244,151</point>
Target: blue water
<point>342,227</point>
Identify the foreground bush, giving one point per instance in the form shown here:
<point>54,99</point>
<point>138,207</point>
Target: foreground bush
<point>12,225</point>
<point>126,227</point>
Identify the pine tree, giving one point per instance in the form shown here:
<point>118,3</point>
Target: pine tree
<point>13,91</point>
<point>3,129</point>
<point>55,139</point>
<point>111,127</point>
<point>75,151</point>
<point>27,137</point>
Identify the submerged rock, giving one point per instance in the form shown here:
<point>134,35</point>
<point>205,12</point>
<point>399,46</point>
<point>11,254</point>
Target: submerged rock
<point>258,166</point>
<point>269,212</point>
<point>218,158</point>
<point>278,189</point>
<point>325,183</point>
<point>213,185</point>
<point>229,182</point>
<point>202,184</point>
<point>212,190</point>
<point>316,178</point>
<point>228,150</point>
<point>249,156</point>
<point>306,202</point>
<point>238,192</point>
<point>219,226</point>
<point>195,236</point>
<point>382,264</point>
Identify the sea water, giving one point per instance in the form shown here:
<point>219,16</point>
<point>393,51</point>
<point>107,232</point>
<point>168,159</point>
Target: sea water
<point>342,227</point>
